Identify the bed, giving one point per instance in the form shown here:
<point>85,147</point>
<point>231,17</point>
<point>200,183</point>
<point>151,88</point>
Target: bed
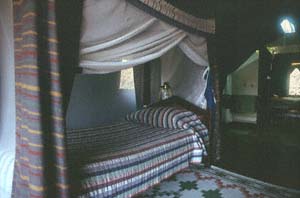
<point>126,158</point>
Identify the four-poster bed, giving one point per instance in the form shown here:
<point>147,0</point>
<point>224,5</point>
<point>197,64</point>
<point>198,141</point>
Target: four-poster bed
<point>115,35</point>
<point>126,158</point>
<point>52,161</point>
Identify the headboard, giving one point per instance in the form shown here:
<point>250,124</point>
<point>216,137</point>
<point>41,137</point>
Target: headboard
<point>176,101</point>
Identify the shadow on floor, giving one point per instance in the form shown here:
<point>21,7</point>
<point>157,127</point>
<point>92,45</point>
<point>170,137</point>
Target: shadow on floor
<point>271,155</point>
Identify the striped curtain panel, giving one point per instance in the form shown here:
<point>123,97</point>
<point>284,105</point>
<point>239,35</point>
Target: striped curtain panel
<point>41,95</point>
<point>215,130</point>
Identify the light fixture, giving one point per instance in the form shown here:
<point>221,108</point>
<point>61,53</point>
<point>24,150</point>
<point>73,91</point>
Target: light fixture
<point>287,26</point>
<point>165,91</point>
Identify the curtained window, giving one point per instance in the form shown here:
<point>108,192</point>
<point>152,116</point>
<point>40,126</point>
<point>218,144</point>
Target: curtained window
<point>294,84</point>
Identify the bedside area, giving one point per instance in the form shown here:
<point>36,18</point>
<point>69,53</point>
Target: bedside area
<point>285,110</point>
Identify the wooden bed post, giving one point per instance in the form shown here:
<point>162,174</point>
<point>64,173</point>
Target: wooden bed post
<point>214,133</point>
<point>264,88</point>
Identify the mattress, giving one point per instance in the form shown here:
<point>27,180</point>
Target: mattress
<point>126,158</point>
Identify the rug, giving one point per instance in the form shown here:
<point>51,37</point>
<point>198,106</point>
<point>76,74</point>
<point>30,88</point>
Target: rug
<point>215,182</point>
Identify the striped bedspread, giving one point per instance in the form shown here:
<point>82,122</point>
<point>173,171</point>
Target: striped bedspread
<point>126,158</point>
<point>173,118</point>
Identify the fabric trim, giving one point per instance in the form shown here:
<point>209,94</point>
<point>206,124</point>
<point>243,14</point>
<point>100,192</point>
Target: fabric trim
<point>166,11</point>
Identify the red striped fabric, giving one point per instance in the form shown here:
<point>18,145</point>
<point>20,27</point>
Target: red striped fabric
<point>40,165</point>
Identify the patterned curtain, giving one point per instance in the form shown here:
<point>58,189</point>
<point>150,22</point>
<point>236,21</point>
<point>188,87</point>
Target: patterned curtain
<point>42,93</point>
<point>215,130</point>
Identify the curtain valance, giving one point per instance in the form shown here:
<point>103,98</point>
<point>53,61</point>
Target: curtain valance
<point>175,16</point>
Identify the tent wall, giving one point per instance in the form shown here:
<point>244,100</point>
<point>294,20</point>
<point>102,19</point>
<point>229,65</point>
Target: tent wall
<point>97,99</point>
<point>187,79</point>
<point>241,91</point>
<point>245,81</point>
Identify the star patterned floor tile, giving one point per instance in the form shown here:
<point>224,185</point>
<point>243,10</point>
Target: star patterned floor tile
<point>215,183</point>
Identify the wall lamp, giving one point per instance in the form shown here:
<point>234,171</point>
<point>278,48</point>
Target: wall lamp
<point>287,26</point>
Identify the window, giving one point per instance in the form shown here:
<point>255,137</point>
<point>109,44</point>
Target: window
<point>127,80</point>
<point>294,84</point>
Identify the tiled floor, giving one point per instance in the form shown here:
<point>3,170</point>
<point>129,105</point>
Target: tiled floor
<point>216,183</point>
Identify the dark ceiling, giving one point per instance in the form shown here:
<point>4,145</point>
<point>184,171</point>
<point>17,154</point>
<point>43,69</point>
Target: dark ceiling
<point>242,26</point>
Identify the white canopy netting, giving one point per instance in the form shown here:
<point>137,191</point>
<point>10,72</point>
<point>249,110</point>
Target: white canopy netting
<point>117,35</point>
